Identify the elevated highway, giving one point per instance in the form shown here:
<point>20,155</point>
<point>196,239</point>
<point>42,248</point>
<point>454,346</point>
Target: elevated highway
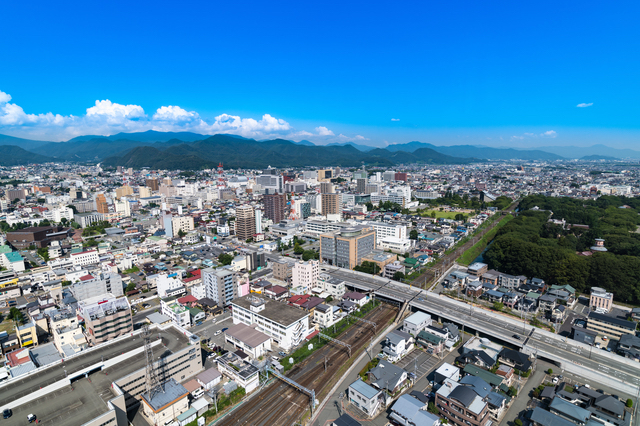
<point>579,358</point>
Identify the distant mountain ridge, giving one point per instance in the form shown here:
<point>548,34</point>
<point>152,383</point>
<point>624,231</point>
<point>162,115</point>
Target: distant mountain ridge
<point>471,151</point>
<point>12,155</point>
<point>247,153</point>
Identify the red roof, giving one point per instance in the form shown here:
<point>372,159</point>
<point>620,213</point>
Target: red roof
<point>187,299</point>
<point>18,357</point>
<point>312,335</point>
<point>86,277</point>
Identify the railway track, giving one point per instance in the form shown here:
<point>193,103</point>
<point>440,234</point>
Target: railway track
<point>281,404</point>
<point>426,280</point>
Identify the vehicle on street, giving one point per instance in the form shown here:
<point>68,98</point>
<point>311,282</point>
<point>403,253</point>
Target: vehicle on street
<point>282,353</point>
<point>217,333</point>
<point>515,336</point>
<point>598,345</point>
<point>224,329</point>
<point>275,358</point>
<point>7,413</point>
<point>604,338</point>
<point>555,380</point>
<point>31,418</point>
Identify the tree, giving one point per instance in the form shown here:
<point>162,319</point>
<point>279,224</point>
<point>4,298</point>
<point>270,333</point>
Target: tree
<point>297,249</point>
<point>398,276</point>
<point>181,233</point>
<point>517,422</point>
<point>75,225</point>
<point>16,315</point>
<point>433,214</point>
<point>131,287</point>
<point>413,234</point>
<point>550,371</point>
<point>43,252</point>
<point>72,207</point>
<point>309,255</point>
<point>431,407</point>
<point>629,403</point>
<point>16,200</point>
<point>498,306</point>
<point>225,259</point>
<point>368,268</point>
<point>249,240</point>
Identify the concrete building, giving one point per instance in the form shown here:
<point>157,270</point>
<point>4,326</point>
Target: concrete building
<point>245,222</point>
<point>181,223</point>
<point>220,285</point>
<point>101,285</point>
<point>179,314</point>
<point>152,183</point>
<point>87,219</point>
<point>274,206</point>
<point>600,300</point>
<point>101,204</point>
<point>169,286</point>
<point>305,274</point>
<point>609,325</point>
<point>57,214</point>
<point>165,405</point>
<point>251,341</point>
<point>331,204</point>
<point>105,318</point>
<point>347,247</point>
<point>365,397</point>
<point>282,269</point>
<point>124,191</point>
<point>39,236</point>
<point>287,326</point>
<point>417,322</point>
<point>271,184</point>
<point>89,257</point>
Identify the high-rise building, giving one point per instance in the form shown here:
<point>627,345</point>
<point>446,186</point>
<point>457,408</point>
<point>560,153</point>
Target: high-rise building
<point>144,191</point>
<point>124,191</point>
<point>360,174</point>
<point>258,215</point>
<point>400,176</point>
<point>325,175</point>
<point>331,204</point>
<point>271,184</point>
<point>346,248</point>
<point>105,317</point>
<point>305,274</point>
<point>220,285</point>
<point>274,207</point>
<point>245,222</point>
<point>361,185</point>
<point>101,204</point>
<point>269,171</point>
<point>326,188</point>
<point>153,184</point>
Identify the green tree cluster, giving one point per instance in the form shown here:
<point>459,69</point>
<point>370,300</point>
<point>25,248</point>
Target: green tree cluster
<point>225,259</point>
<point>368,268</point>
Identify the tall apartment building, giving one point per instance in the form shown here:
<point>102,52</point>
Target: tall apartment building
<point>245,222</point>
<point>123,191</point>
<point>87,219</point>
<point>387,230</point>
<point>258,216</point>
<point>331,204</point>
<point>326,188</point>
<point>20,194</point>
<point>144,191</point>
<point>153,184</point>
<point>105,318</point>
<point>360,174</point>
<point>181,223</point>
<point>305,274</point>
<point>56,215</point>
<point>98,286</point>
<point>361,185</point>
<point>347,247</point>
<point>101,204</point>
<point>220,285</point>
<point>274,207</point>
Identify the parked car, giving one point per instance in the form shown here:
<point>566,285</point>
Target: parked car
<point>282,353</point>
<point>32,418</point>
<point>7,413</point>
<point>217,333</point>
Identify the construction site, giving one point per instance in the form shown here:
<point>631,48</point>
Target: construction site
<point>292,399</point>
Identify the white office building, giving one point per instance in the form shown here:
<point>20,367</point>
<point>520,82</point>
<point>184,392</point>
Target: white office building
<point>304,275</point>
<point>287,326</point>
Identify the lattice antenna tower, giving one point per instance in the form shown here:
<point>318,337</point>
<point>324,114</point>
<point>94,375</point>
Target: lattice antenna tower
<point>152,382</point>
<point>221,183</point>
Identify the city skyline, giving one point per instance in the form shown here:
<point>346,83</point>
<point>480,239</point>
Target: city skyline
<point>494,75</point>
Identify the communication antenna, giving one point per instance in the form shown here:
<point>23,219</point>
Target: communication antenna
<point>152,382</point>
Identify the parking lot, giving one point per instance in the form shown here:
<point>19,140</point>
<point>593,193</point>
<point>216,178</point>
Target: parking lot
<point>418,362</point>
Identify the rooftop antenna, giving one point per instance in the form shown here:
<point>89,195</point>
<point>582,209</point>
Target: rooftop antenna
<point>152,382</point>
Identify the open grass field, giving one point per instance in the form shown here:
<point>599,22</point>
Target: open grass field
<point>469,255</point>
<point>439,214</point>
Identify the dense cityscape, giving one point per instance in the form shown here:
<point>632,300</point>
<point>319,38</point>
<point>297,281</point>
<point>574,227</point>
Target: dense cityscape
<point>364,295</point>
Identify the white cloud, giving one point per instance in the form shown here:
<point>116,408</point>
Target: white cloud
<point>584,105</point>
<point>107,118</point>
<point>395,119</point>
<point>517,137</point>
<point>323,131</point>
<point>549,134</point>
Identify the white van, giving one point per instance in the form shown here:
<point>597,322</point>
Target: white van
<point>197,393</point>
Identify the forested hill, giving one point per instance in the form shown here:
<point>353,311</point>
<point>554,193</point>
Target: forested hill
<point>530,245</point>
<point>247,153</point>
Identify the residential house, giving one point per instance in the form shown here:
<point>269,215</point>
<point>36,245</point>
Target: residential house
<point>388,376</point>
<point>416,323</point>
<point>408,411</point>
<point>365,397</point>
<point>397,344</point>
<point>515,359</point>
<point>432,343</point>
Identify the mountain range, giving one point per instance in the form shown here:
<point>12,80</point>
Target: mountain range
<point>187,150</point>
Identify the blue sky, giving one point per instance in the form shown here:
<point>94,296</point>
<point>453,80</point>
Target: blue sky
<point>491,73</point>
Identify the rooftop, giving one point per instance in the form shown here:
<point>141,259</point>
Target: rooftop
<point>275,311</point>
<point>171,391</point>
<point>246,334</point>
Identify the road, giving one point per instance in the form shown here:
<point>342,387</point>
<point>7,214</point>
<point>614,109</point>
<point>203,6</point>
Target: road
<point>502,327</point>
